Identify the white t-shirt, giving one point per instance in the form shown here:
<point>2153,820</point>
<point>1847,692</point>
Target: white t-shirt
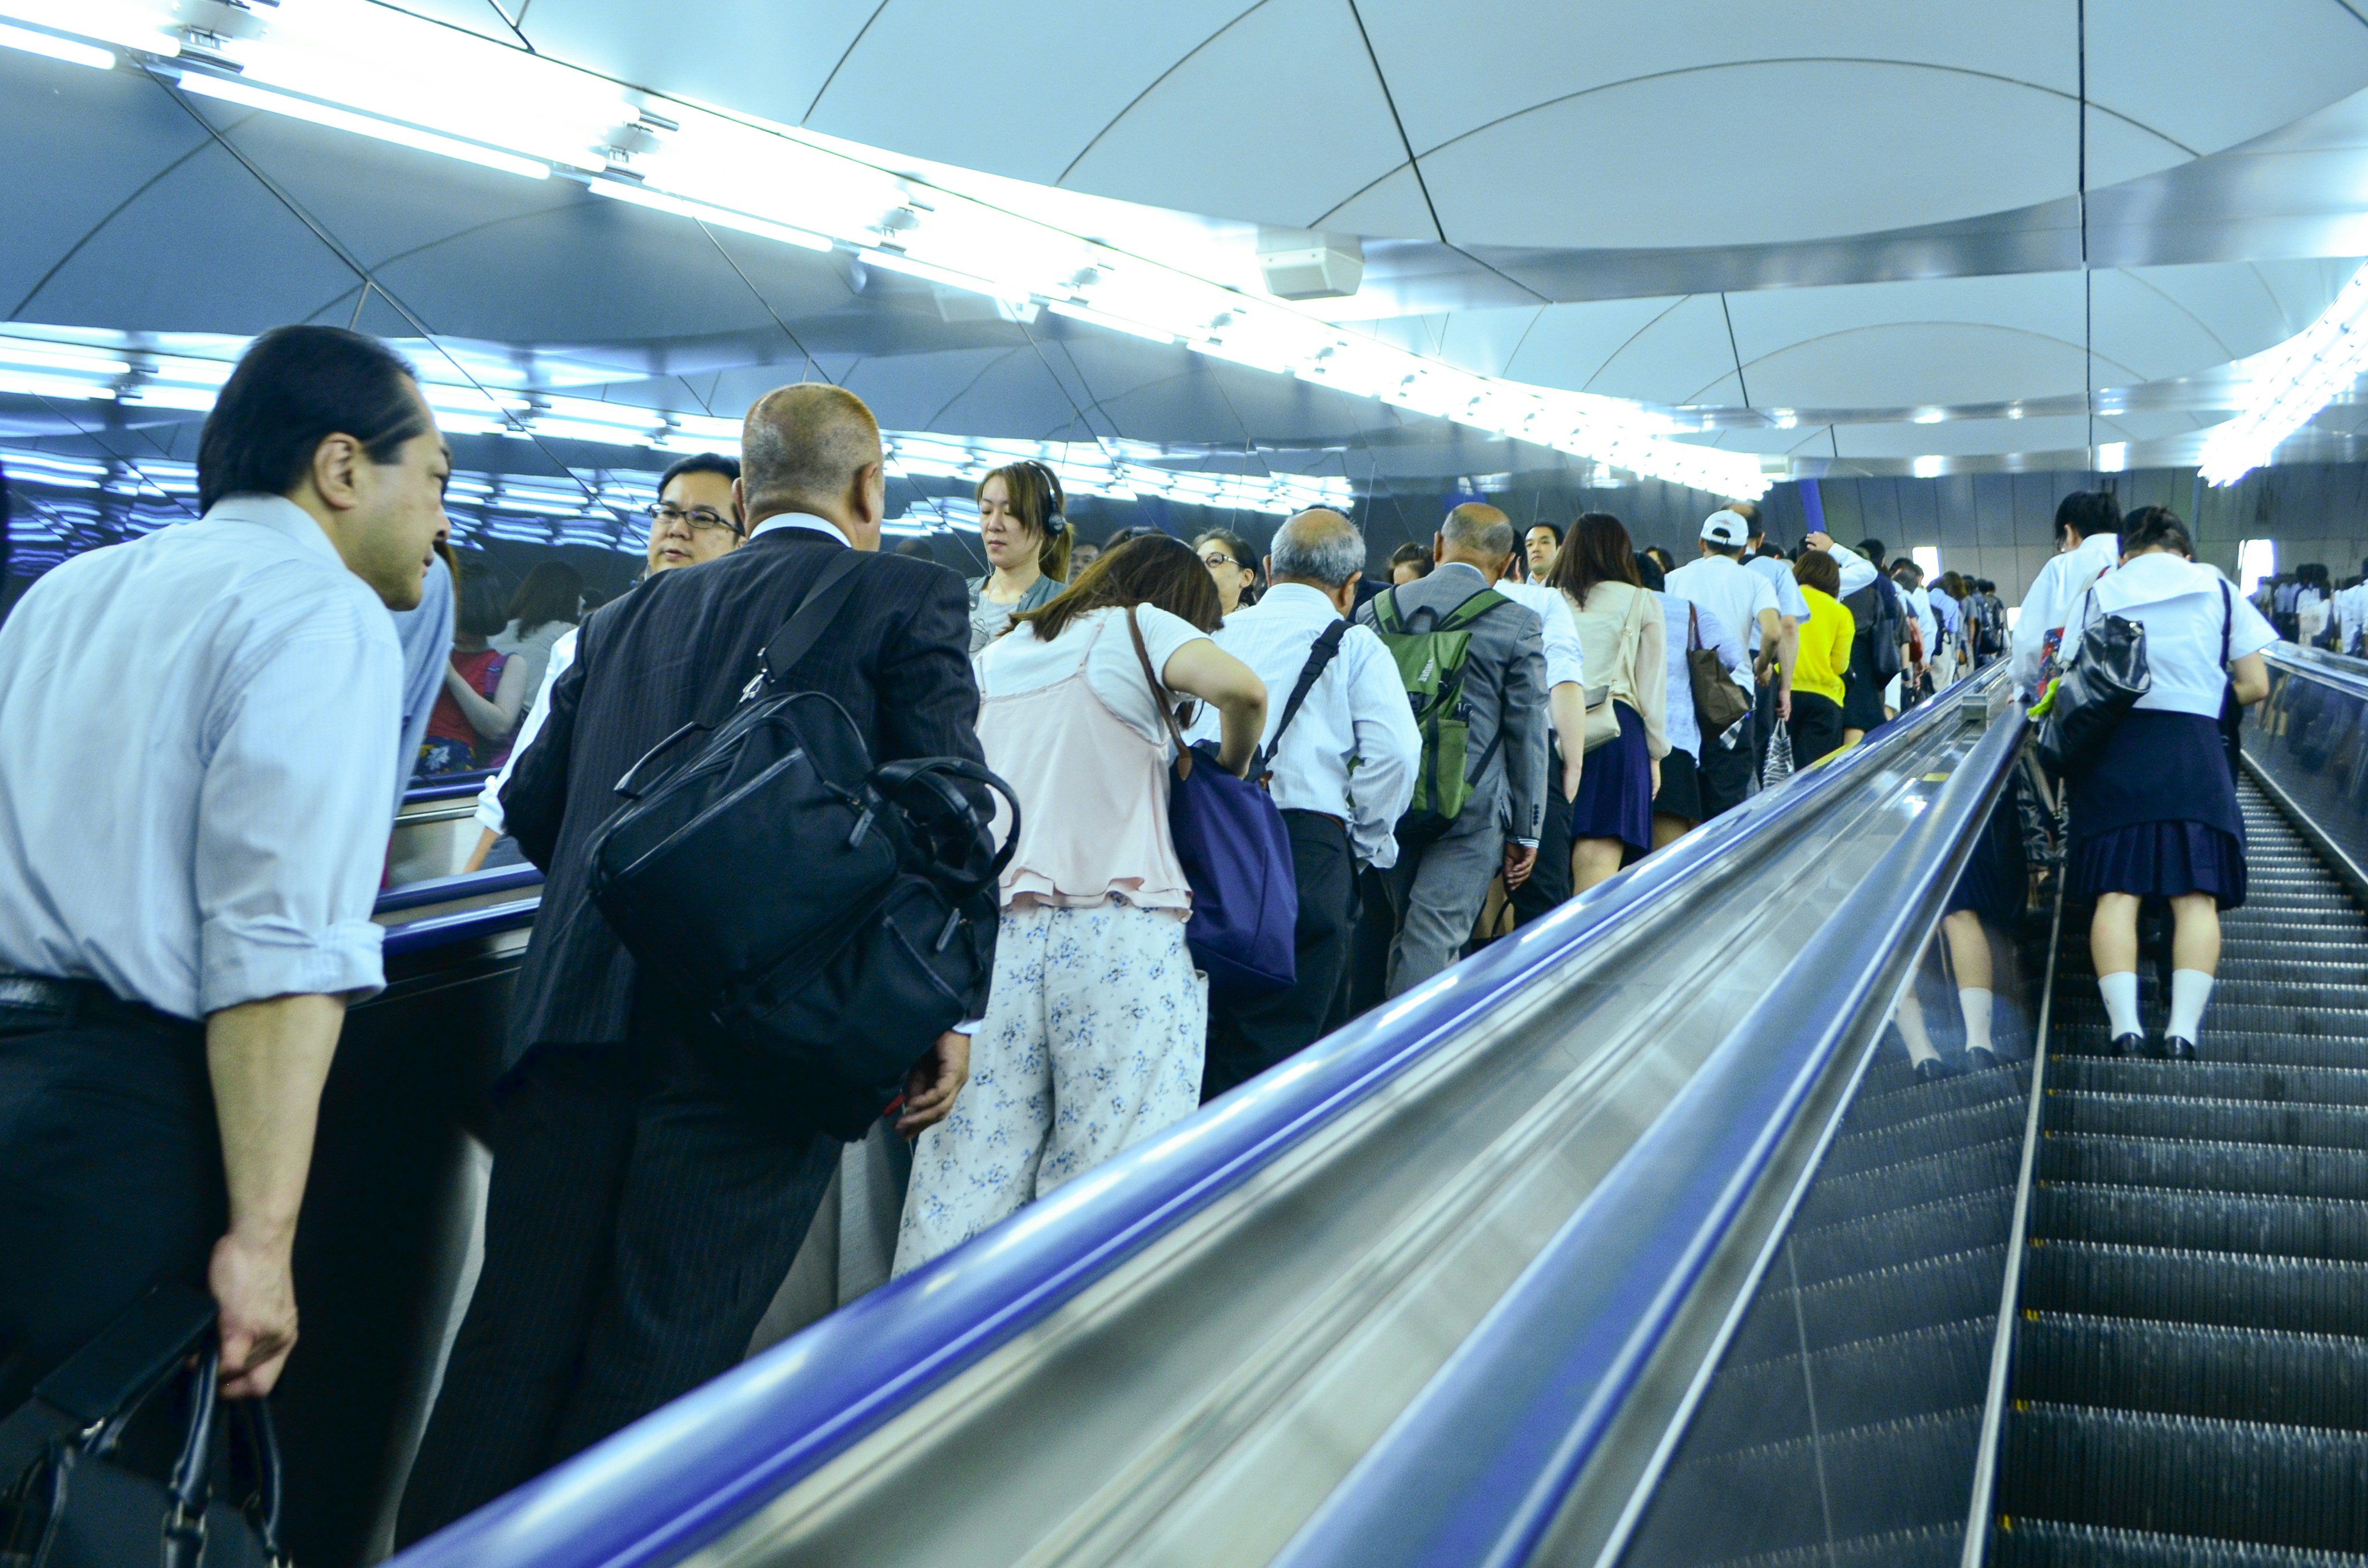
<point>1729,590</point>
<point>1564,660</point>
<point>1018,662</point>
<point>2179,604</point>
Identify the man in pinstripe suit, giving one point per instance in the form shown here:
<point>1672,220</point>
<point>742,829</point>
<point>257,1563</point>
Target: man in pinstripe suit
<point>640,1218</point>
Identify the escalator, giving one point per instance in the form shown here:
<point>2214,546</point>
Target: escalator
<point>2190,1380</point>
<point>1642,1239</point>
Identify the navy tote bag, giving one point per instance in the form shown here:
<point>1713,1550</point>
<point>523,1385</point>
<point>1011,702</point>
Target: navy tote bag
<point>1235,853</point>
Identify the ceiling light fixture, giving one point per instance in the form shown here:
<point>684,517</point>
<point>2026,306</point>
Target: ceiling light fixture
<point>245,97</point>
<point>73,54</point>
<point>2289,385</point>
<point>722,217</point>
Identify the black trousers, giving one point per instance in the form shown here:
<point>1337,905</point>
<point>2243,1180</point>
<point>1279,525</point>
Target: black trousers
<point>111,1180</point>
<point>1727,774</point>
<point>640,1220</point>
<point>1816,727</point>
<point>1549,883</point>
<point>1248,1036</point>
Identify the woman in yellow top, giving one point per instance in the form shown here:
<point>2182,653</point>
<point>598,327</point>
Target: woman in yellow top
<point>1826,637</point>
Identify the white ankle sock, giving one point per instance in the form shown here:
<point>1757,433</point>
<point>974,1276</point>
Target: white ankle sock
<point>2121,993</point>
<point>1976,1007</point>
<point>2190,990</point>
<point>1911,1019</point>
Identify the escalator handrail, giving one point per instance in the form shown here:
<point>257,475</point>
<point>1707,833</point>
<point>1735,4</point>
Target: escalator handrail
<point>463,925</point>
<point>466,884</point>
<point>2350,677</point>
<point>448,786</point>
<point>1475,1470</point>
<point>691,1470</point>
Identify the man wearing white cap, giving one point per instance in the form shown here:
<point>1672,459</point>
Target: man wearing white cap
<point>1719,584</point>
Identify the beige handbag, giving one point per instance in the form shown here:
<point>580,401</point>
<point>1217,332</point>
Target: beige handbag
<point>1619,656</point>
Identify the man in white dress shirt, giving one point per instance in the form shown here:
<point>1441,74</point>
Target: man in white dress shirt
<point>196,737</point>
<point>1342,764</point>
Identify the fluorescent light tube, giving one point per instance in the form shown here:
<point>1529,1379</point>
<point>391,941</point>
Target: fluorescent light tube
<point>25,385</point>
<point>73,54</point>
<point>896,261</point>
<point>248,96</point>
<point>722,217</point>
<point>41,356</point>
<point>1093,317</point>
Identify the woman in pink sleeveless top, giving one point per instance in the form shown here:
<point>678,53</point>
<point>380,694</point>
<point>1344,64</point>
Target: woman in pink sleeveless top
<point>1097,1019</point>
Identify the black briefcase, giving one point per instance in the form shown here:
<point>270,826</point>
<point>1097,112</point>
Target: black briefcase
<point>831,918</point>
<point>124,1459</point>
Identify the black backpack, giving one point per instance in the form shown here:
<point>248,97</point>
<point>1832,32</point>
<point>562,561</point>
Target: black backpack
<point>1880,615</point>
<point>831,918</point>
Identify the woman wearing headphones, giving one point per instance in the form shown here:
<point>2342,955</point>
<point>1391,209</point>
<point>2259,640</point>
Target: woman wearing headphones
<point>1027,541</point>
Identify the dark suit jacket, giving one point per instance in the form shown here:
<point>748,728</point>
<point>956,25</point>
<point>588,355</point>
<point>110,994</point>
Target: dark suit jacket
<point>679,648</point>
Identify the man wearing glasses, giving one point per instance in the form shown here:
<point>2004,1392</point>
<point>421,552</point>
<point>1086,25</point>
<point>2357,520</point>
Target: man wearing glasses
<point>695,520</point>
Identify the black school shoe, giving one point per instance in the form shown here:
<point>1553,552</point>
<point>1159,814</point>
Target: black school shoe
<point>2130,1045</point>
<point>1980,1059</point>
<point>2177,1049</point>
<point>1931,1069</point>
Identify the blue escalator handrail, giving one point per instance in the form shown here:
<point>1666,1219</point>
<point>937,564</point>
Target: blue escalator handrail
<point>2347,675</point>
<point>448,786</point>
<point>443,930</point>
<point>1473,1472</point>
<point>468,884</point>
<point>691,1470</point>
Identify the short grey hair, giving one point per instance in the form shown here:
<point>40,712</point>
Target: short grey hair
<point>1479,528</point>
<point>1319,545</point>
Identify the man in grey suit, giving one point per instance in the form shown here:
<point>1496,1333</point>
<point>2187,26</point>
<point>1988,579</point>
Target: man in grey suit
<point>1446,863</point>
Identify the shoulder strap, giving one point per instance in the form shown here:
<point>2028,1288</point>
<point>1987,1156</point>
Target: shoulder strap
<point>1318,656</point>
<point>2228,620</point>
<point>1464,614</point>
<point>1159,696</point>
<point>1693,628</point>
<point>1386,611</point>
<point>807,622</point>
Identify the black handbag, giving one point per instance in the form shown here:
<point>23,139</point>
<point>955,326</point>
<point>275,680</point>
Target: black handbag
<point>109,1475</point>
<point>2095,693</point>
<point>831,919</point>
<point>1718,701</point>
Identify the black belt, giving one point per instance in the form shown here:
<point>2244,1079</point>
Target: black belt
<point>31,1002</point>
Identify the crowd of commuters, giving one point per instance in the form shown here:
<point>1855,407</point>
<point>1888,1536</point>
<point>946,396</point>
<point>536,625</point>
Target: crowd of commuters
<point>1509,719</point>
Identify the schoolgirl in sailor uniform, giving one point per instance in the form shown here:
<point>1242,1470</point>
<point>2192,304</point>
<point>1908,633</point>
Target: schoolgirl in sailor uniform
<point>2155,814</point>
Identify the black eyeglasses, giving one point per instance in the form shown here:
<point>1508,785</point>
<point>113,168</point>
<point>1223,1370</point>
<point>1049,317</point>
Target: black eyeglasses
<point>1218,558</point>
<point>701,518</point>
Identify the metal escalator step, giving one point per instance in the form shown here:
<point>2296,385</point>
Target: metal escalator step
<point>2201,1165</point>
<point>2227,1045</point>
<point>2299,1295</point>
<point>2202,1221</point>
<point>2325,966</point>
<point>2050,1543</point>
<point>1751,1404</point>
<point>1888,1107</point>
<point>1922,1179</point>
<point>2212,1080</point>
<point>2182,1475</point>
<point>2080,1007</point>
<point>1943,1129</point>
<point>1786,1495</point>
<point>1878,1302</point>
<point>2222,1122</point>
<point>1900,1236</point>
<point>1934,1546</point>
<point>2202,1369</point>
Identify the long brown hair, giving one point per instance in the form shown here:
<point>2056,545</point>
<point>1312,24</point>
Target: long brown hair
<point>1032,501</point>
<point>1596,550</point>
<point>1155,570</point>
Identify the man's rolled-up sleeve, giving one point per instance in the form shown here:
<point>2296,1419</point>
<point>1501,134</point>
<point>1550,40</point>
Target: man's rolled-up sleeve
<point>292,818</point>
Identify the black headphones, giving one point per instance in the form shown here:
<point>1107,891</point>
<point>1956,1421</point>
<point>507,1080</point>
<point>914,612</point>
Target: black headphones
<point>1057,501</point>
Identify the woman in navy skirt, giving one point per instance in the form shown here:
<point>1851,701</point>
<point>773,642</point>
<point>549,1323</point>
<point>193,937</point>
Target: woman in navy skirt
<point>1620,634</point>
<point>2154,814</point>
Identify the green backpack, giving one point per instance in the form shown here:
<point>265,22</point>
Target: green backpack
<point>1431,665</point>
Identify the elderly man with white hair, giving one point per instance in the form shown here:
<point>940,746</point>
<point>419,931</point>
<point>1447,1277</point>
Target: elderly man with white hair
<point>1339,752</point>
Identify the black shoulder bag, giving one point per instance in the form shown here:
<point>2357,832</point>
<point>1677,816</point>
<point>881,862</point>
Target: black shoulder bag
<point>105,1473</point>
<point>2095,693</point>
<point>831,918</point>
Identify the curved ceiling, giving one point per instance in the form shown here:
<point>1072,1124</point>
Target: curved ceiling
<point>1504,122</point>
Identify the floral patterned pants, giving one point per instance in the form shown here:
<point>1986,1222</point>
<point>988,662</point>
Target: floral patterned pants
<point>1092,1041</point>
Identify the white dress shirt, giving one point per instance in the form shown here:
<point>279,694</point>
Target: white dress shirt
<point>196,736</point>
<point>489,800</point>
<point>1778,575</point>
<point>2179,604</point>
<point>1857,570</point>
<point>1731,591</point>
<point>2061,581</point>
<point>1564,663</point>
<point>803,520</point>
<point>1352,750</point>
<point>2351,614</point>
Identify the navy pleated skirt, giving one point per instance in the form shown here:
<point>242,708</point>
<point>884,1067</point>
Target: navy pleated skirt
<point>1615,788</point>
<point>2156,814</point>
